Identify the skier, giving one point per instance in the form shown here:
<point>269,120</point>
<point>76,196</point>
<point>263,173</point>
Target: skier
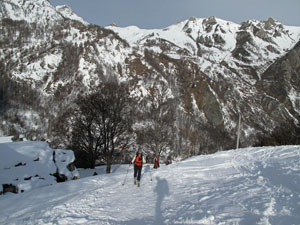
<point>169,160</point>
<point>138,161</point>
<point>156,162</point>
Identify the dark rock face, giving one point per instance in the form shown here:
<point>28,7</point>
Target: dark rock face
<point>281,81</point>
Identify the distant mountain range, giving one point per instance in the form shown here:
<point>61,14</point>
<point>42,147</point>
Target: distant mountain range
<point>205,72</point>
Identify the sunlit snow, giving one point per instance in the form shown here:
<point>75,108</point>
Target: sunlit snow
<point>245,186</point>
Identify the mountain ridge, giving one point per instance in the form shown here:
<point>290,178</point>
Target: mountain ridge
<point>205,71</point>
<point>36,11</point>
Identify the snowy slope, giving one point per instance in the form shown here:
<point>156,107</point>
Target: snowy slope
<point>246,186</point>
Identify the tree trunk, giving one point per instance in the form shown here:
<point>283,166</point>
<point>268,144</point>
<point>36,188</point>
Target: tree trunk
<point>92,161</point>
<point>108,167</point>
<point>92,165</point>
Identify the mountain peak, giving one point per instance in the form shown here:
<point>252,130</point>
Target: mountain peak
<point>210,20</point>
<point>31,11</point>
<point>67,12</point>
<point>36,11</point>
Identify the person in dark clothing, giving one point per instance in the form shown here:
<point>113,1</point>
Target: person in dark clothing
<point>138,161</point>
<point>169,160</point>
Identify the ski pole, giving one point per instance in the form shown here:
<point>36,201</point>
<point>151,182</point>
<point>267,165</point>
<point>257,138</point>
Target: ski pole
<point>126,175</point>
<point>150,172</point>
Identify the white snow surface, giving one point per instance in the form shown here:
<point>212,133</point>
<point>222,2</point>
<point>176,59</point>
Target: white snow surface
<point>28,165</point>
<point>6,139</point>
<point>245,186</point>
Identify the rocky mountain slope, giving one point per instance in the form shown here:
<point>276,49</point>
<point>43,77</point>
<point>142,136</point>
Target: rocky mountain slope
<point>203,72</point>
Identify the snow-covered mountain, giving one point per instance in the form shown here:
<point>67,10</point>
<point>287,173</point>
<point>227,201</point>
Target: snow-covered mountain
<point>203,72</point>
<point>245,186</point>
<point>67,12</point>
<point>36,11</point>
<point>209,42</point>
<point>33,11</point>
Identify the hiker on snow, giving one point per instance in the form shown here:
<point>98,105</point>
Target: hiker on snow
<point>156,162</point>
<point>138,161</point>
<point>169,160</point>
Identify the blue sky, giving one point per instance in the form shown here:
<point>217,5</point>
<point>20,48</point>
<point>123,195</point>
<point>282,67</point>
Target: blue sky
<point>162,13</point>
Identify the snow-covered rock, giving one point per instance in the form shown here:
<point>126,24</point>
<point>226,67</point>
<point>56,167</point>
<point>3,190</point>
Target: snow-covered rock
<point>29,165</point>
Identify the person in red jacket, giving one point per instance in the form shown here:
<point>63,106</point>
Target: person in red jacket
<point>138,161</point>
<point>156,162</point>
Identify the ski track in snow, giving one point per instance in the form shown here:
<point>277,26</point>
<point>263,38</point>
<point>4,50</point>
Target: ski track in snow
<point>247,186</point>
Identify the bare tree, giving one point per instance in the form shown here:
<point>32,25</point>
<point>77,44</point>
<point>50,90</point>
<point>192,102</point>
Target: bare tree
<point>102,124</point>
<point>157,133</point>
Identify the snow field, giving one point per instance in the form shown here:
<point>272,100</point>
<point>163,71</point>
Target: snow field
<point>247,186</point>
